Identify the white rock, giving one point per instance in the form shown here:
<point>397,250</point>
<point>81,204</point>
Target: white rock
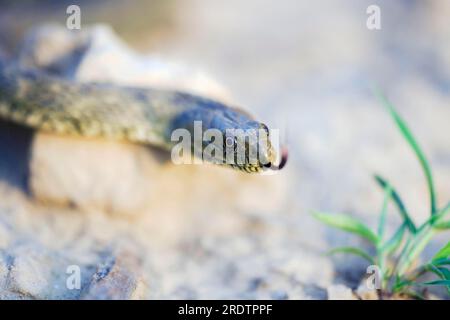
<point>91,173</point>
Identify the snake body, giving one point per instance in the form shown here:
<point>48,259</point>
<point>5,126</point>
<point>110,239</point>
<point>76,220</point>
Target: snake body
<point>141,115</point>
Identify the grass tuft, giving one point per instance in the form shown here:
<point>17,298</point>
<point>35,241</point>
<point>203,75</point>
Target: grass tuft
<point>397,257</point>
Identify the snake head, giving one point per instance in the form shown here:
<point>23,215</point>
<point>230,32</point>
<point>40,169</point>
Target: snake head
<point>252,150</point>
<point>228,136</point>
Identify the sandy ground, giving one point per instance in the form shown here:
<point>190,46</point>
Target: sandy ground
<point>202,232</point>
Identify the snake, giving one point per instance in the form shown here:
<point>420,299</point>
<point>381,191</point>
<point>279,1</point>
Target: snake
<point>49,103</point>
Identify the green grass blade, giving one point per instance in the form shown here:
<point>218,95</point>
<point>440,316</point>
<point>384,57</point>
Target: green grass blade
<point>441,214</point>
<point>437,283</point>
<point>444,211</point>
<point>443,253</point>
<point>445,273</point>
<point>394,242</point>
<point>442,225</point>
<point>347,223</point>
<point>400,284</point>
<point>434,269</point>
<point>398,202</point>
<point>441,272</point>
<point>406,132</point>
<point>416,247</point>
<point>441,262</point>
<point>354,251</point>
<point>382,222</point>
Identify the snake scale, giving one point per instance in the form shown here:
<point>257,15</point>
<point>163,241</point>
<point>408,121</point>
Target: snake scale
<point>142,115</point>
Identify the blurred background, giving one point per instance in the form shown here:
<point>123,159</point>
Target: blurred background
<point>304,67</point>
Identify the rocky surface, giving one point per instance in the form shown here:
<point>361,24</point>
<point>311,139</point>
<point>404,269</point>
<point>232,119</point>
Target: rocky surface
<point>130,219</point>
